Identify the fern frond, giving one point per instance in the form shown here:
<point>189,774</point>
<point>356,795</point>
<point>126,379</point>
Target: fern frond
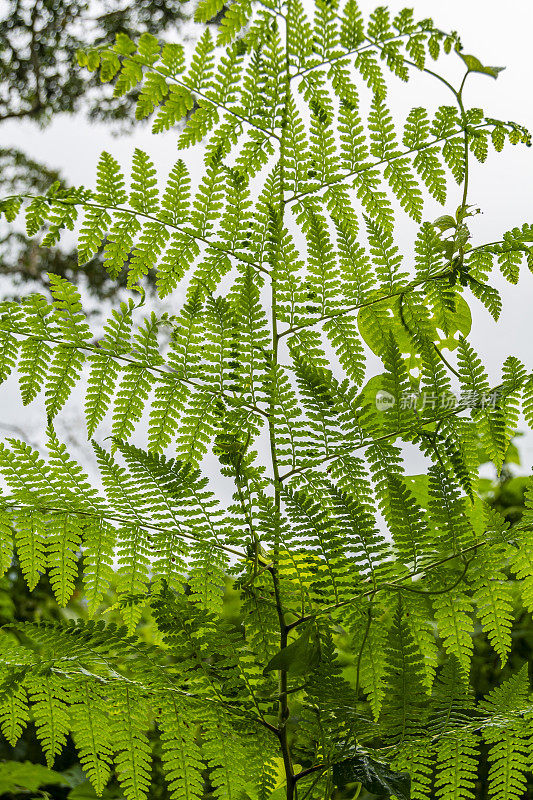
<point>453,616</point>
<point>14,714</point>
<point>406,706</point>
<point>324,599</point>
<point>135,384</point>
<point>521,560</point>
<point>225,756</point>
<point>143,193</point>
<point>30,541</point>
<point>110,191</point>
<point>508,754</point>
<point>103,368</point>
<point>99,542</point>
<point>92,734</point>
<point>342,333</point>
<point>354,150</point>
<point>417,759</point>
<point>63,540</point>
<point>198,426</point>
<point>457,757</point>
<point>371,72</point>
<point>35,352</point>
<point>129,723</point>
<point>181,754</point>
<point>68,358</point>
<point>375,202</point>
<point>494,601</point>
<point>323,277</point>
<point>386,258</point>
<point>50,712</point>
<point>133,571</point>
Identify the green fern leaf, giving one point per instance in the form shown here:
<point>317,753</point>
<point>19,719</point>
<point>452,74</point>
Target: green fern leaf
<point>35,351</point>
<point>225,756</point>
<point>103,366</point>
<point>50,712</point>
<point>494,601</point>
<point>198,426</point>
<point>154,90</point>
<point>371,72</point>
<point>133,756</point>
<point>452,614</point>
<point>6,542</point>
<point>417,760</point>
<point>92,734</point>
<point>30,539</point>
<point>342,333</point>
<point>135,384</point>
<point>68,358</point>
<point>110,192</point>
<point>99,541</point>
<point>234,20</point>
<point>63,543</point>
<point>14,714</point>
<point>457,758</point>
<point>182,758</point>
<point>405,707</point>
<point>143,194</point>
<point>508,755</point>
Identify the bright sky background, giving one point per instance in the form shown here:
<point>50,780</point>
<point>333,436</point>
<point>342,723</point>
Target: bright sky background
<point>499,34</point>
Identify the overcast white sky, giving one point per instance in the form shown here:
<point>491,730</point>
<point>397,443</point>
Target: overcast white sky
<point>499,34</point>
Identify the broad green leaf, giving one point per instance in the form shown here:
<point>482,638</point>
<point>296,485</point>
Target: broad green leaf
<point>376,777</point>
<point>299,657</point>
<point>23,776</point>
<point>474,65</point>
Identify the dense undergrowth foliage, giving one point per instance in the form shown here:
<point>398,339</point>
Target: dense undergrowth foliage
<point>294,288</point>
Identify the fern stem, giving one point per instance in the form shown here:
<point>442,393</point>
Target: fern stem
<point>206,97</point>
<point>393,586</point>
<point>445,361</point>
<point>460,103</point>
<point>167,373</point>
<point>351,309</point>
<point>420,69</point>
<point>435,347</point>
<point>144,215</point>
<point>283,704</point>
<point>313,784</point>
<point>386,436</point>
<point>125,521</point>
<point>429,593</point>
<point>361,649</point>
<point>345,54</point>
<point>371,165</point>
<point>275,11</point>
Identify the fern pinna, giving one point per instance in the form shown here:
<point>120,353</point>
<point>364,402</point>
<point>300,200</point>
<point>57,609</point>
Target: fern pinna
<point>289,278</point>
